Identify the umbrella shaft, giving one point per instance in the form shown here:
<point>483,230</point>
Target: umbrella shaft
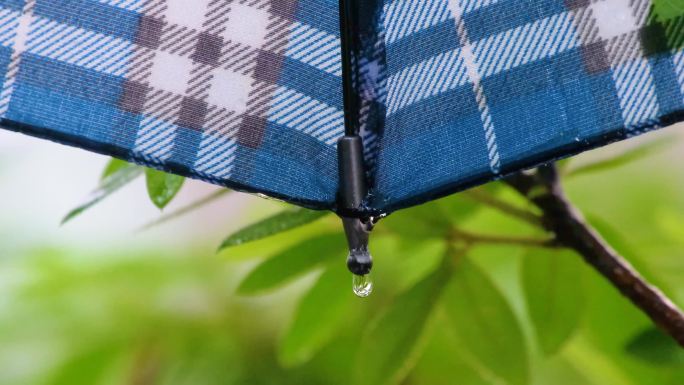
<point>348,36</point>
<point>352,171</point>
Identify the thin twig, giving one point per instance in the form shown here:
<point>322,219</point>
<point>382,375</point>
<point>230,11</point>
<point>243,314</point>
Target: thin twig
<point>504,207</point>
<point>186,209</point>
<point>571,230</point>
<point>457,234</point>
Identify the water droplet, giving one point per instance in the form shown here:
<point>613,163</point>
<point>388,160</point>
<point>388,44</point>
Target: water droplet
<point>362,285</point>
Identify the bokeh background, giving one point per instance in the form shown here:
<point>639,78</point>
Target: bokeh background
<point>100,301</point>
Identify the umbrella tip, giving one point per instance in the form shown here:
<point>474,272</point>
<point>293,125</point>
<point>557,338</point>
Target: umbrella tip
<point>359,260</point>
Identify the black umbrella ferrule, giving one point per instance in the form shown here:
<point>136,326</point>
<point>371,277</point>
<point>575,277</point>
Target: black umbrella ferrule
<point>359,261</point>
<point>353,189</point>
<point>352,192</point>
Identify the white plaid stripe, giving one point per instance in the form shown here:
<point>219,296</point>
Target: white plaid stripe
<point>279,104</point>
<point>9,21</point>
<point>405,17</point>
<point>155,139</point>
<point>315,48</point>
<point>301,112</point>
<point>473,5</point>
<point>614,18</point>
<point>448,70</point>
<point>232,82</point>
<point>495,54</point>
<point>432,77</point>
<point>217,155</point>
<point>191,14</point>
<point>225,86</point>
<point>525,44</point>
<point>616,23</point>
<point>73,45</point>
<point>636,91</point>
<point>129,5</point>
<point>171,74</point>
<point>156,133</point>
<point>678,59</point>
<point>15,35</point>
<point>475,75</point>
<point>373,92</point>
<point>305,114</point>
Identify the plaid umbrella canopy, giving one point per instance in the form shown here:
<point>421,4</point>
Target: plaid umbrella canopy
<point>253,94</point>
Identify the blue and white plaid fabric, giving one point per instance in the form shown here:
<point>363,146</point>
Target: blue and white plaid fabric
<point>247,93</point>
<point>481,88</point>
<point>239,93</point>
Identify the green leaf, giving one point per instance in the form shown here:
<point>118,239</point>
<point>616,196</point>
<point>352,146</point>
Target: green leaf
<point>420,222</point>
<point>552,284</point>
<point>321,314</point>
<point>283,221</point>
<point>107,186</point>
<point>596,365</point>
<point>623,159</point>
<point>392,343</point>
<point>405,263</point>
<point>85,368</point>
<point>162,187</point>
<point>563,164</point>
<point>294,262</point>
<point>655,347</point>
<point>441,362</point>
<point>664,10</point>
<point>612,236</point>
<point>113,166</point>
<point>664,14</point>
<point>430,220</point>
<point>459,207</point>
<point>485,326</point>
<point>623,246</point>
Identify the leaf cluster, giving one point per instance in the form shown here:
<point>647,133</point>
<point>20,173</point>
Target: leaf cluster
<point>447,306</point>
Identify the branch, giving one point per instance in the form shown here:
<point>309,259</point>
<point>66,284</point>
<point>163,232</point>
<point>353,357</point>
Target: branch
<point>471,238</point>
<point>571,230</point>
<point>504,207</point>
<point>186,209</point>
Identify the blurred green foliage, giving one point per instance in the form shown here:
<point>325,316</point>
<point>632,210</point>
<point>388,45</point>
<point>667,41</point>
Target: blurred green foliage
<point>662,33</point>
<point>667,9</point>
<point>487,310</point>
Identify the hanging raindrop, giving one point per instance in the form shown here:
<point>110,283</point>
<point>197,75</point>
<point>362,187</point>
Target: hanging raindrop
<point>360,263</point>
<point>362,285</point>
<point>359,260</point>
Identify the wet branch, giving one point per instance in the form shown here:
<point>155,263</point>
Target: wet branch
<point>560,217</point>
<point>504,207</point>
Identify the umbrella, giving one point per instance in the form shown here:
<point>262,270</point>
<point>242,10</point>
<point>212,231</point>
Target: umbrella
<point>425,98</point>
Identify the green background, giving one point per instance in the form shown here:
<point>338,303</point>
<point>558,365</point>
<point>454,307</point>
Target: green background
<point>98,301</point>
